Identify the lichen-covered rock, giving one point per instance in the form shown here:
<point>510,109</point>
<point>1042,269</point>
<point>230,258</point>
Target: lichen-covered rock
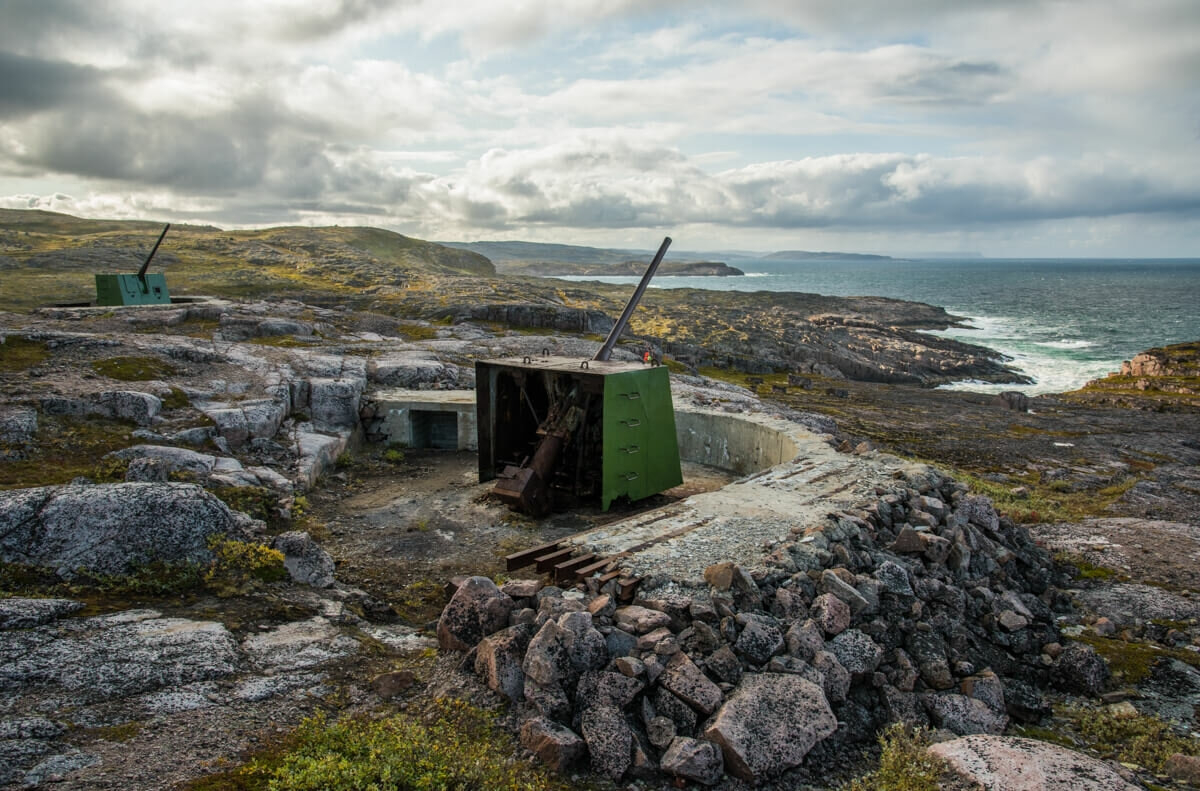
<point>299,644</point>
<point>304,559</point>
<point>498,660</point>
<point>830,613</point>
<point>477,609</point>
<point>609,740</point>
<point>686,681</point>
<point>760,638</point>
<point>1081,670</point>
<point>999,763</point>
<point>856,652</point>
<point>557,746</point>
<point>769,723</point>
<point>804,640</point>
<point>110,528</point>
<point>601,688</point>
<point>640,620</point>
<point>697,760</point>
<point>964,716</point>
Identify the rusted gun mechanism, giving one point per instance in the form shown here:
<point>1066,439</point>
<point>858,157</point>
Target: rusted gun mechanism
<point>570,401</point>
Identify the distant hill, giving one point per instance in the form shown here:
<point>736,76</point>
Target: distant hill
<point>808,255</point>
<point>635,268</point>
<point>503,252</point>
<point>47,257</point>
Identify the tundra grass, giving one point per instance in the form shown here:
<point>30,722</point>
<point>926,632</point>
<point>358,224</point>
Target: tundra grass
<point>65,448</point>
<point>448,744</point>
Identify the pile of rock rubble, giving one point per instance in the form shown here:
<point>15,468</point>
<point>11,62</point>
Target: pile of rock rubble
<point>924,606</point>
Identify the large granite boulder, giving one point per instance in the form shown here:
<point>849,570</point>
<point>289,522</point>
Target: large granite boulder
<point>999,763</point>
<point>769,723</point>
<point>111,528</point>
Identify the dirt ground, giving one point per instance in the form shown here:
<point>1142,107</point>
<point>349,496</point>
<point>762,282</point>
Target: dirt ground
<point>401,531</point>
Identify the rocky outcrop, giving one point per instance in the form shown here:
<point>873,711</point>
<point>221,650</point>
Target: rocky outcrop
<point>141,408</point>
<point>112,528</point>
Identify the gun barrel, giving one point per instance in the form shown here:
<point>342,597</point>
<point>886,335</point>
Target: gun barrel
<point>153,250</point>
<point>615,334</point>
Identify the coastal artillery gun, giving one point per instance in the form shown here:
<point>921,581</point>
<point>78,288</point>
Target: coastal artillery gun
<point>559,430</point>
<point>140,289</point>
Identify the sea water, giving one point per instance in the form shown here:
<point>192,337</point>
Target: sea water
<point>1063,322</point>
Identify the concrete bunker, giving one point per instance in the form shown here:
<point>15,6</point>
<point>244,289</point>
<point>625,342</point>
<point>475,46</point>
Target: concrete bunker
<point>446,420</point>
<point>436,419</point>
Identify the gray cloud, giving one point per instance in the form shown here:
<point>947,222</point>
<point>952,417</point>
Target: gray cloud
<point>29,85</point>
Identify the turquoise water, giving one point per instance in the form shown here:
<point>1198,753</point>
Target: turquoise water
<point>1061,321</point>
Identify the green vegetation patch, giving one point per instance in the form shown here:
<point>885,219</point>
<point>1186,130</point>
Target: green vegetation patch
<point>1132,661</point>
<point>21,354</point>
<point>239,566</point>
<point>905,763</point>
<point>452,746</point>
<point>1130,738</point>
<point>65,448</point>
<point>419,601</point>
<point>154,579</point>
<point>1049,502</point>
<point>134,369</point>
<point>258,502</point>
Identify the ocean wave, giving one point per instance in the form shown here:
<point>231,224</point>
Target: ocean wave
<point>1065,344</point>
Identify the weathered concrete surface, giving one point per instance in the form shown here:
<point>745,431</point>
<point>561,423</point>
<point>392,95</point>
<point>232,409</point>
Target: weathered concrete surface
<point>1000,763</point>
<point>680,541</point>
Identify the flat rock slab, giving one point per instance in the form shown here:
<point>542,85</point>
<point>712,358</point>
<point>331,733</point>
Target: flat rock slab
<point>1001,763</point>
<point>18,613</point>
<point>114,656</point>
<point>297,645</point>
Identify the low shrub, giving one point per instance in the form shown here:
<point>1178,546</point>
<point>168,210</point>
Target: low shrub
<point>905,764</point>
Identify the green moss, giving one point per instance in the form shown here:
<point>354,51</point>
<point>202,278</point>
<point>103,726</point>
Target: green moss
<point>420,601</point>
<point>117,733</point>
<point>1050,502</point>
<point>176,400</point>
<point>284,341</point>
<point>153,579</point>
<point>417,332</point>
<point>258,502</point>
<point>67,447</point>
<point>905,763</point>
<point>1131,661</point>
<point>1130,738</point>
<point>21,354</point>
<point>451,746</point>
<point>134,369</point>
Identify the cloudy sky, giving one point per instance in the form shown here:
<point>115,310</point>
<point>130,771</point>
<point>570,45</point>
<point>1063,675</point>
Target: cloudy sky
<point>1011,127</point>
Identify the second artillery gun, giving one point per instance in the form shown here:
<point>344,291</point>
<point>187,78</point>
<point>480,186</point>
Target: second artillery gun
<point>139,289</point>
<point>559,430</point>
